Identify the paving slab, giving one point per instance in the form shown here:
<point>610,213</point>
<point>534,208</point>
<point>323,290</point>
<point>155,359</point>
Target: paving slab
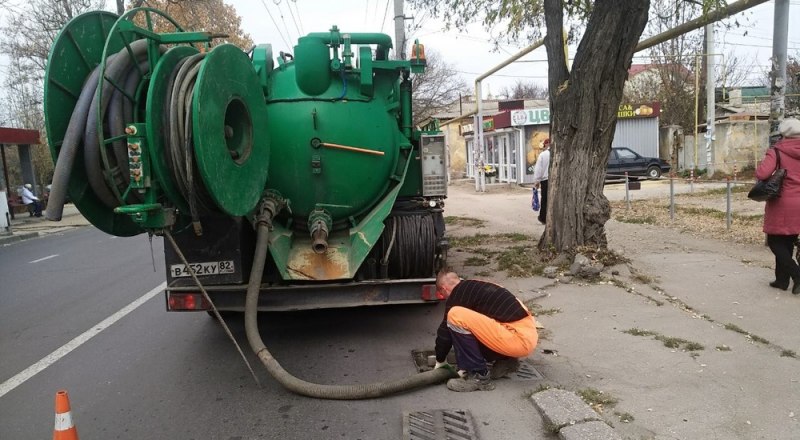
<point>680,288</point>
<point>588,431</point>
<point>561,408</point>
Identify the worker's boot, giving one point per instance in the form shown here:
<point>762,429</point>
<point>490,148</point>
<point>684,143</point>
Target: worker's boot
<point>474,381</point>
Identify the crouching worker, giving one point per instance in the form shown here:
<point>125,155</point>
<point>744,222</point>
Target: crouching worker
<point>488,327</point>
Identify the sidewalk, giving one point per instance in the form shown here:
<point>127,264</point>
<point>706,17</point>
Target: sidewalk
<point>687,338</point>
<point>24,227</point>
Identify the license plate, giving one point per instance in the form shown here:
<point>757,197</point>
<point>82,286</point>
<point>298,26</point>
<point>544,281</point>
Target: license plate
<point>201,269</point>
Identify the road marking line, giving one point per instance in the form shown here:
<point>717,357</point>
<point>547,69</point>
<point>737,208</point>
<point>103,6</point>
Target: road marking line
<point>42,259</point>
<point>65,349</point>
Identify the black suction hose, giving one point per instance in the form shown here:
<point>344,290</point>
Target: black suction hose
<point>294,384</point>
<point>69,148</point>
<point>117,70</point>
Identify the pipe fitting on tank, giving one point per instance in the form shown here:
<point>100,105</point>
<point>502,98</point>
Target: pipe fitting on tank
<point>272,202</point>
<point>319,224</point>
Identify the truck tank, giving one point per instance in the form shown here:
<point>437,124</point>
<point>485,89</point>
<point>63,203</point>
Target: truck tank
<point>191,138</point>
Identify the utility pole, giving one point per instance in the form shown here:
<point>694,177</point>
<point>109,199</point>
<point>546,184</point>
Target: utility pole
<point>399,31</point>
<point>710,101</point>
<point>477,144</point>
<point>780,38</point>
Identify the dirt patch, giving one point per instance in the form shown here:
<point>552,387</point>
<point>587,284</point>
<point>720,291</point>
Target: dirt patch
<point>700,215</point>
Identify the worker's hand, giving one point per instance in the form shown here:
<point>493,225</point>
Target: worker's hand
<point>536,185</point>
<point>444,365</point>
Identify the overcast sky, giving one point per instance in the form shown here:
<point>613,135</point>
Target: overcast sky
<point>471,53</point>
<point>279,22</point>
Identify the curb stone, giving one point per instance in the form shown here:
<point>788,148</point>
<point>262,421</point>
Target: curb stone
<point>8,239</point>
<point>589,431</point>
<point>566,413</point>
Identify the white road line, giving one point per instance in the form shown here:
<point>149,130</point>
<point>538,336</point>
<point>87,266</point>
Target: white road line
<point>42,259</point>
<point>65,349</point>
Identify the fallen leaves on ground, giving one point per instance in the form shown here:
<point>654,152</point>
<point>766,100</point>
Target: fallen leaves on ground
<point>700,215</point>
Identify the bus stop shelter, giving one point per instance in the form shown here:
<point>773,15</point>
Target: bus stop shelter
<point>22,139</point>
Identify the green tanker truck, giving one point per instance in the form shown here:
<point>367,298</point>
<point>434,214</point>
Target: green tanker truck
<point>157,130</point>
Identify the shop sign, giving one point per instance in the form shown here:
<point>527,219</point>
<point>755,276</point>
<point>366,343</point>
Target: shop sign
<point>631,111</point>
<point>532,116</point>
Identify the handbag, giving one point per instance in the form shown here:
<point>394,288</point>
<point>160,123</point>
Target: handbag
<point>535,200</point>
<point>769,189</point>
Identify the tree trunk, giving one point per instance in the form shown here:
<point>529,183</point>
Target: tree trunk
<point>584,104</point>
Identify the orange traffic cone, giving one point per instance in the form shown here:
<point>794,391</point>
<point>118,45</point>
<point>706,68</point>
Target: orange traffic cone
<point>64,429</point>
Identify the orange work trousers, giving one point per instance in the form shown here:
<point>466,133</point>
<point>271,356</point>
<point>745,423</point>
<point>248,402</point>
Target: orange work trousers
<point>513,339</point>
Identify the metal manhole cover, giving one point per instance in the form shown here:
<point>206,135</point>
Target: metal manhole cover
<point>439,424</point>
<point>526,372</point>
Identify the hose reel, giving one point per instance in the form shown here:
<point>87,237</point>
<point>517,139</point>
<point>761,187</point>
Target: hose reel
<point>166,131</point>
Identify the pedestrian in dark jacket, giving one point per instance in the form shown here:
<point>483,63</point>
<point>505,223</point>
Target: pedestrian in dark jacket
<point>487,326</point>
<point>782,214</point>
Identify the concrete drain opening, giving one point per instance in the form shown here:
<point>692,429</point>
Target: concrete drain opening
<point>526,370</point>
<point>439,424</point>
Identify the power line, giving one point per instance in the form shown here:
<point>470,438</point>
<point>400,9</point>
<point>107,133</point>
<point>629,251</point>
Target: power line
<point>384,14</point>
<point>289,7</point>
<point>288,46</point>
<point>280,11</point>
<point>299,16</point>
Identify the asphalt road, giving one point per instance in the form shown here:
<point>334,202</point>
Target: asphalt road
<point>153,374</point>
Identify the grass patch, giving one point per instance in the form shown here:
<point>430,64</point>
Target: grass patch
<point>668,341</point>
<point>709,212</point>
<point>470,240</point>
<point>735,328</point>
<point>484,273</point>
<point>788,353</point>
<point>513,236</point>
<point>642,278</point>
<point>597,399</point>
<point>464,221</point>
<point>537,309</point>
<point>476,261</point>
<point>486,239</point>
<point>603,255</point>
<point>624,417</point>
<point>647,220</point>
<point>485,252</point>
<point>638,332</point>
<point>755,338</point>
<point>694,346</point>
<point>672,342</point>
<point>723,348</point>
<point>719,191</point>
<point>520,262</point>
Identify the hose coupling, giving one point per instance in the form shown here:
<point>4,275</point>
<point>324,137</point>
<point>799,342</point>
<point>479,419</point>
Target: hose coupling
<point>319,224</point>
<point>271,204</point>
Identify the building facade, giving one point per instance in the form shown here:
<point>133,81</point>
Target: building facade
<point>514,138</point>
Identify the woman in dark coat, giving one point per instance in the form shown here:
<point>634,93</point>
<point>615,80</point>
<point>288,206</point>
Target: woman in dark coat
<point>782,215</point>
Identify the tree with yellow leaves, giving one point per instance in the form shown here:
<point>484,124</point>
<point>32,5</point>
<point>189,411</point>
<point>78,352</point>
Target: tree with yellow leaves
<point>213,16</point>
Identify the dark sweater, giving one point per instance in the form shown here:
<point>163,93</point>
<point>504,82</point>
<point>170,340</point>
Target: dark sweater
<point>485,298</point>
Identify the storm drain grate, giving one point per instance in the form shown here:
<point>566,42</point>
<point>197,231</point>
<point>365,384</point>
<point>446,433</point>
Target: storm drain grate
<point>526,372</point>
<point>439,424</point>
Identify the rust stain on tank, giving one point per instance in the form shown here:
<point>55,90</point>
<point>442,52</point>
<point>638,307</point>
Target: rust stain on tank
<point>309,265</point>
